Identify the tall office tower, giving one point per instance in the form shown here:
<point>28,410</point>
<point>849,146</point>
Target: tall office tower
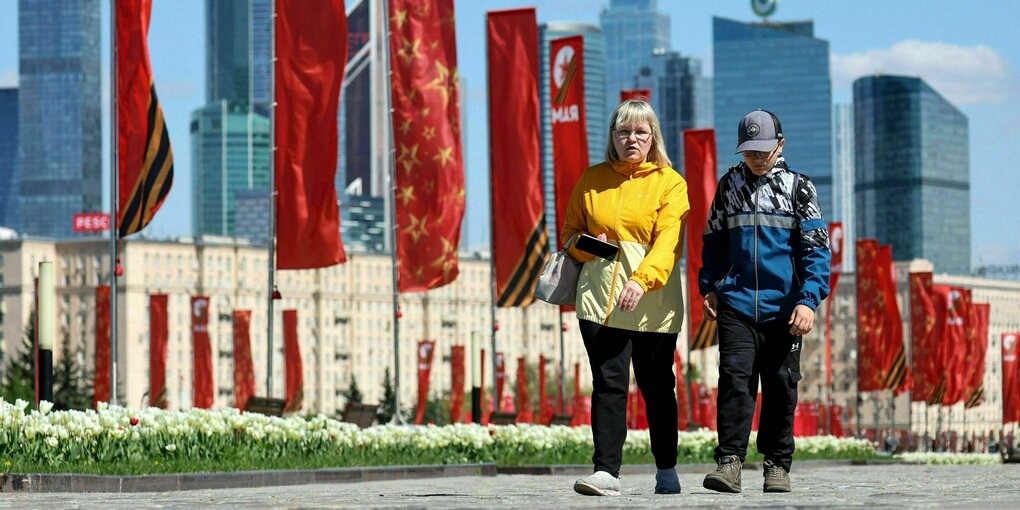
<point>843,178</point>
<point>59,119</point>
<point>912,171</point>
<point>596,116</point>
<point>8,154</point>
<point>783,68</point>
<point>633,29</point>
<point>682,98</point>
<point>230,154</point>
<point>237,51</point>
<point>230,134</point>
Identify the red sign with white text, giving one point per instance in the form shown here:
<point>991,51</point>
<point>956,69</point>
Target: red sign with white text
<point>91,222</point>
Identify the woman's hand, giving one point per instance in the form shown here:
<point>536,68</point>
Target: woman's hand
<point>630,296</point>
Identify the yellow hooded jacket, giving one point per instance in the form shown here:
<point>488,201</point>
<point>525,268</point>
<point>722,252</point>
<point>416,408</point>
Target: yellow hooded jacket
<point>642,208</point>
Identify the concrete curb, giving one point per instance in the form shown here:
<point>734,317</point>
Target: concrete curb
<point>46,482</point>
<point>645,469</point>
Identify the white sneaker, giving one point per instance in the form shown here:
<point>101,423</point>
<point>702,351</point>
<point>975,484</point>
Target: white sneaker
<point>600,483</point>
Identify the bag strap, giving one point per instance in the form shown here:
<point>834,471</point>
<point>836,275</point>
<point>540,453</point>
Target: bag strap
<point>570,241</point>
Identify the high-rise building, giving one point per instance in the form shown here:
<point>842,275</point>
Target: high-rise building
<point>237,52</point>
<point>783,68</point>
<point>230,153</point>
<point>596,116</point>
<point>682,97</point>
<point>912,171</point>
<point>843,179</point>
<point>8,154</point>
<point>633,30</point>
<point>59,119</point>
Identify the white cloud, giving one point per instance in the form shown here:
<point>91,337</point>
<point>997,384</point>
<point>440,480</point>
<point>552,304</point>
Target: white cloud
<point>9,78</point>
<point>962,74</point>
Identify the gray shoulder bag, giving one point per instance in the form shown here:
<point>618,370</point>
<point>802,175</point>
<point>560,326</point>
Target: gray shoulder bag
<point>558,282</point>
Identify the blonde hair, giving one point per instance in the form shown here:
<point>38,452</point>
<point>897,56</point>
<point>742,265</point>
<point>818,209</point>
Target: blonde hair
<point>629,113</point>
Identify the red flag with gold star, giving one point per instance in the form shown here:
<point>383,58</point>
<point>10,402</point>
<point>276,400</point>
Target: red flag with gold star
<point>897,368</point>
<point>427,139</point>
<point>954,344</point>
<point>519,237</point>
<point>977,347</point>
<point>926,369</point>
<point>882,361</point>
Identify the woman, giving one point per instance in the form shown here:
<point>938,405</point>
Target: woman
<point>630,306</point>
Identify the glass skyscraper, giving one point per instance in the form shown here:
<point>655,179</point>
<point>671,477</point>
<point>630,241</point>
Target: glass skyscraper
<point>843,179</point>
<point>682,98</point>
<point>912,171</point>
<point>8,154</point>
<point>237,51</point>
<point>59,119</point>
<point>633,29</point>
<point>783,68</point>
<point>596,116</point>
<point>230,153</point>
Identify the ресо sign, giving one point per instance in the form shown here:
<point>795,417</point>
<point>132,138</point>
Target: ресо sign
<point>91,222</point>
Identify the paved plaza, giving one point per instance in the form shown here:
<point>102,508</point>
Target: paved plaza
<point>824,485</point>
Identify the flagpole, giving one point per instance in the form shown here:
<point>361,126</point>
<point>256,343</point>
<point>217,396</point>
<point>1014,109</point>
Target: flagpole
<point>563,380</point>
<point>114,195</point>
<point>397,419</point>
<point>271,263</point>
<point>492,255</point>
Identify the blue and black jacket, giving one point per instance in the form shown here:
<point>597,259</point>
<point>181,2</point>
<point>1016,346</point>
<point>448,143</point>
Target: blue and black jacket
<point>764,253</point>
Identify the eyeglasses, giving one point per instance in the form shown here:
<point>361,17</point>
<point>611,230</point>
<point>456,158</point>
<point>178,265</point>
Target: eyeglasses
<point>624,134</point>
<point>758,154</point>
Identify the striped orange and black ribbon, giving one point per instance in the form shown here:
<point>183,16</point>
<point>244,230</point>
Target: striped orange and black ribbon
<point>935,398</point>
<point>156,176</point>
<point>896,378</point>
<point>976,398</point>
<point>520,290</point>
<point>706,336</point>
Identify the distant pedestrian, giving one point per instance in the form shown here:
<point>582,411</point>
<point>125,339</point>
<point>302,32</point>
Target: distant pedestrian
<point>630,305</point>
<point>765,270</point>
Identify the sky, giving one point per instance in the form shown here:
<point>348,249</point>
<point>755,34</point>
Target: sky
<point>967,51</point>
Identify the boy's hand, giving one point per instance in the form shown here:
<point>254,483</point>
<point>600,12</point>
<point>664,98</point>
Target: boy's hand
<point>801,320</point>
<point>711,305</point>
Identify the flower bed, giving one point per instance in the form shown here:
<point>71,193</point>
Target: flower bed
<point>118,440</point>
<point>950,458</point>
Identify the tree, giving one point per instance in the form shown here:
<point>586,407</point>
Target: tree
<point>388,403</point>
<point>353,393</point>
<point>70,388</point>
<point>19,380</point>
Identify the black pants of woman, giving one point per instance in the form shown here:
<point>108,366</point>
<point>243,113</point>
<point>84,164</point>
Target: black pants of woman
<point>610,352</point>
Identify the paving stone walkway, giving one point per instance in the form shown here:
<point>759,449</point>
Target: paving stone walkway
<point>867,486</point>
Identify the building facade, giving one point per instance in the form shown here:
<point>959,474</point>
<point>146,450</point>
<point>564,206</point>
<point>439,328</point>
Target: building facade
<point>230,154</point>
<point>633,30</point>
<point>596,116</point>
<point>59,119</point>
<point>912,162</point>
<point>783,68</point>
<point>8,155</point>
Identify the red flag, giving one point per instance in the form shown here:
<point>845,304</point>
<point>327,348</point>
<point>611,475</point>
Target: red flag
<point>202,365</point>
<point>520,239</point>
<point>681,392</point>
<point>635,94</point>
<point>295,378</point>
<point>101,391</point>
<point>544,412</point>
<point>457,385</point>
<point>427,138</point>
<point>145,167</point>
<point>569,125</point>
<point>581,415</point>
<point>923,340</point>
<point>882,362</point>
<point>835,268</point>
<point>524,414</point>
<point>500,375</point>
<point>954,344</point>
<point>699,155</point>
<point>158,336</point>
<point>425,352</point>
<point>897,369</point>
<point>1010,377</point>
<point>311,51</point>
<point>244,369</point>
<point>977,347</point>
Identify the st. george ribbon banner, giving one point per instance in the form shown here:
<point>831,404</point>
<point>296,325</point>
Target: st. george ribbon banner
<point>923,340</point>
<point>569,125</point>
<point>699,155</point>
<point>519,237</point>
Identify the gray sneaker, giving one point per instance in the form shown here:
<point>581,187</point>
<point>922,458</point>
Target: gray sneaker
<point>726,477</point>
<point>600,483</point>
<point>776,478</point>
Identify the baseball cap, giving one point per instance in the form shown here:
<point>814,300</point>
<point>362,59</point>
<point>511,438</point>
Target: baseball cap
<point>760,131</point>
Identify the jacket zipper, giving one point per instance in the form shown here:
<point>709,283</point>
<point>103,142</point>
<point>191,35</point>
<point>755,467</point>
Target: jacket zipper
<point>755,198</point>
<point>616,260</point>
